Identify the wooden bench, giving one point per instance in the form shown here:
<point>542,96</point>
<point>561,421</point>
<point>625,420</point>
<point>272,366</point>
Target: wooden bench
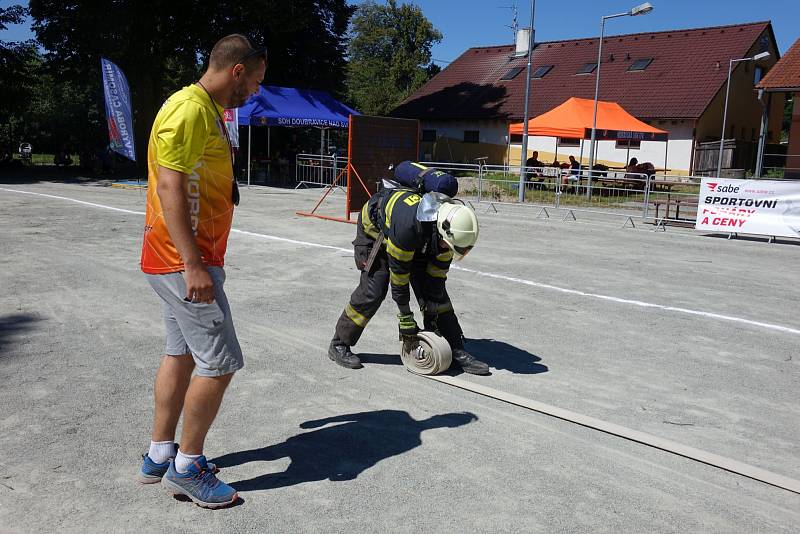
<point>686,202</point>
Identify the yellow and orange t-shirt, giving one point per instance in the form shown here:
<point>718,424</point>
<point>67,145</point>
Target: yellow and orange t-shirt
<point>188,137</point>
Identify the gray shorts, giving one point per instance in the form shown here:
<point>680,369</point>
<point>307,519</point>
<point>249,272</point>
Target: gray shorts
<point>203,330</point>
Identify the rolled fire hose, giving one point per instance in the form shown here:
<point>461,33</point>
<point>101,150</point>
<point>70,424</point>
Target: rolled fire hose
<point>426,354</point>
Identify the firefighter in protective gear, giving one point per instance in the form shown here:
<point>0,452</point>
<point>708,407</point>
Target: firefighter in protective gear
<point>407,240</point>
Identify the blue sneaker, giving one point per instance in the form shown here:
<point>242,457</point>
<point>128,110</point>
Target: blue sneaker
<point>199,484</point>
<point>151,472</point>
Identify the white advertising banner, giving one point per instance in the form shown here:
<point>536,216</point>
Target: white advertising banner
<point>764,207</point>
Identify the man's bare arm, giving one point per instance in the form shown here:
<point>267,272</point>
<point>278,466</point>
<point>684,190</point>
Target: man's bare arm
<point>171,192</point>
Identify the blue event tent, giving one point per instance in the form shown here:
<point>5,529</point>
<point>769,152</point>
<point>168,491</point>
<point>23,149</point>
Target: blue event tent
<point>286,106</point>
<point>294,108</point>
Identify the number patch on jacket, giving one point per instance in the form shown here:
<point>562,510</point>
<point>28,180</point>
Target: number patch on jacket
<point>412,199</point>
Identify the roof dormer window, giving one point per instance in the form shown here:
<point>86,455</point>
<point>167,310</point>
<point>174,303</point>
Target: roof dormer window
<point>640,64</point>
<point>511,74</point>
<point>541,71</point>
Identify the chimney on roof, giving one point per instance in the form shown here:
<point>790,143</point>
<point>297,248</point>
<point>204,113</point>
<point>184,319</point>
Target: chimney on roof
<point>523,38</point>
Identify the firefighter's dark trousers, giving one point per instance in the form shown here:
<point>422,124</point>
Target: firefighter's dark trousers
<point>438,314</point>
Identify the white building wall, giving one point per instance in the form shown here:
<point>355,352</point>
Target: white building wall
<point>678,152</point>
<point>493,132</point>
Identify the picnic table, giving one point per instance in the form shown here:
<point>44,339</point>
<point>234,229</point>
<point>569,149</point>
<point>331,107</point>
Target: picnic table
<point>684,200</point>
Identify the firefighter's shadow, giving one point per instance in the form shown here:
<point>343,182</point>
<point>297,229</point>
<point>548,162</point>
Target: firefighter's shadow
<point>354,443</point>
<point>501,355</point>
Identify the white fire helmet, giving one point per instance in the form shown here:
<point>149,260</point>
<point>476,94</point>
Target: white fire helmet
<point>458,227</point>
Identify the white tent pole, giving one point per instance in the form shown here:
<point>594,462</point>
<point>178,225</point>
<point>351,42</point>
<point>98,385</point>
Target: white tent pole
<point>269,153</point>
<point>249,137</point>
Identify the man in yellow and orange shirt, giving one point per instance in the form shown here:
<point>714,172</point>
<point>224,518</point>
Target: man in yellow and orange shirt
<point>190,199</point>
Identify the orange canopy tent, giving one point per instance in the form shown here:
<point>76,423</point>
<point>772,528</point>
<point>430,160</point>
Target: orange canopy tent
<point>573,119</point>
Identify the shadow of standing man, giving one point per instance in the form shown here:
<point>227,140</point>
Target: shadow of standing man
<point>342,451</point>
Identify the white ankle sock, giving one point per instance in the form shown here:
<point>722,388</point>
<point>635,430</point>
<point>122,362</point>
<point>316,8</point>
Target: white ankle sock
<point>161,451</point>
<point>183,461</point>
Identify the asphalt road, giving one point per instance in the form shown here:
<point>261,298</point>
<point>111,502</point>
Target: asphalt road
<point>687,337</point>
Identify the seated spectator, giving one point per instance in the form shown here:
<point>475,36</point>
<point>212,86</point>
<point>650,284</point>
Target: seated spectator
<point>62,157</point>
<point>575,165</point>
<point>530,174</point>
<point>635,171</point>
<point>575,170</point>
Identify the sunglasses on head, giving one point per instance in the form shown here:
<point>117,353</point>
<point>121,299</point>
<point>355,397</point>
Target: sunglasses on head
<point>257,52</point>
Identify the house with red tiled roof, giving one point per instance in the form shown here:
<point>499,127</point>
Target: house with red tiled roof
<point>673,80</point>
<point>784,77</point>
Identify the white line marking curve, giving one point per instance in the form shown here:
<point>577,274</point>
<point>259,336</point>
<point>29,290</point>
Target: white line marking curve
<point>642,304</point>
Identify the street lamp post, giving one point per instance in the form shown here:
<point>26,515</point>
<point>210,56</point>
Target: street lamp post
<point>641,9</point>
<point>757,57</point>
<point>524,153</point>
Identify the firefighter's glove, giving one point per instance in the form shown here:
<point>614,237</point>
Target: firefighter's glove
<point>408,326</point>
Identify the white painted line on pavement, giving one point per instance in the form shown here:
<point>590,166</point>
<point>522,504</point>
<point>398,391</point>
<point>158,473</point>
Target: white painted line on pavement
<point>73,200</point>
<point>709,315</point>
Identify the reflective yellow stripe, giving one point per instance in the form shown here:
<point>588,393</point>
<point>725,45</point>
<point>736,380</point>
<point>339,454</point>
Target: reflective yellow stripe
<point>398,253</point>
<point>390,206</point>
<point>354,316</point>
<point>366,223</point>
<point>417,165</point>
<point>399,279</point>
<point>436,272</point>
<point>447,255</point>
<point>444,307</point>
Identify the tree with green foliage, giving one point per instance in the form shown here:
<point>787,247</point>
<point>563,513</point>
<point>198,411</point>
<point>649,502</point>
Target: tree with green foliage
<point>390,55</point>
<point>18,61</point>
<point>161,45</point>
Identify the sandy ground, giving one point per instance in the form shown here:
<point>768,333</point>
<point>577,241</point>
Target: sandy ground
<point>684,336</point>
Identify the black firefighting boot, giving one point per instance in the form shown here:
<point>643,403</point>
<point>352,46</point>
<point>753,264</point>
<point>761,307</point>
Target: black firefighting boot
<point>340,353</point>
<point>470,364</point>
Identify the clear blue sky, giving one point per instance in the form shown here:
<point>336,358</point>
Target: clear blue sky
<point>467,23</point>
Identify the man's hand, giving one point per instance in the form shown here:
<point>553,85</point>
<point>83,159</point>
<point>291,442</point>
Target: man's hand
<point>199,285</point>
<point>408,326</point>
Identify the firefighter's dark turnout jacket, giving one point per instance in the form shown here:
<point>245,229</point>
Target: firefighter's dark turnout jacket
<point>409,258</point>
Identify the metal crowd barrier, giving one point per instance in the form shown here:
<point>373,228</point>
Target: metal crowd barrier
<point>317,170</point>
<point>656,198</point>
<point>778,166</point>
<point>553,187</point>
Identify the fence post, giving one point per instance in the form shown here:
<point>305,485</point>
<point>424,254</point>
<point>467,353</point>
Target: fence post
<point>480,182</point>
<point>647,185</point>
